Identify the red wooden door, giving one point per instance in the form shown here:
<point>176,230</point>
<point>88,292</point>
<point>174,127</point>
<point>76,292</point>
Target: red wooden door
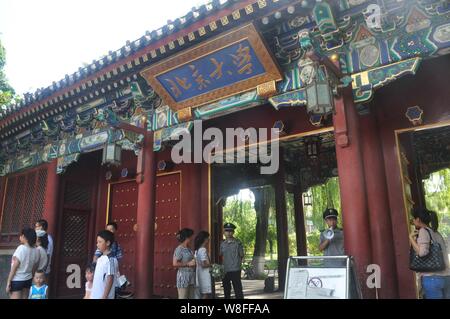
<point>167,224</point>
<point>76,237</point>
<point>123,210</point>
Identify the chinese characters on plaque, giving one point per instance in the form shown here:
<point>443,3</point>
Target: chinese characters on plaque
<point>229,64</point>
<point>235,63</point>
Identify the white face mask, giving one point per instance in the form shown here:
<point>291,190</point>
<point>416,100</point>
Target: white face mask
<point>40,233</point>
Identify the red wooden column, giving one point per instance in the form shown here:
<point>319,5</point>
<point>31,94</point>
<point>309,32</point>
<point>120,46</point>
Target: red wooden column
<point>282,222</point>
<point>352,185</point>
<point>51,201</point>
<point>377,195</point>
<point>50,214</point>
<point>205,218</point>
<point>300,229</point>
<point>146,178</point>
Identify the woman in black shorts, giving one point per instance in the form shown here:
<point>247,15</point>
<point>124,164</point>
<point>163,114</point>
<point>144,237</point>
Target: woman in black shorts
<point>24,263</point>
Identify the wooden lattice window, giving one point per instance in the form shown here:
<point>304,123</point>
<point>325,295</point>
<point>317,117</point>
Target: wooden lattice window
<point>78,195</point>
<point>75,235</point>
<point>24,201</point>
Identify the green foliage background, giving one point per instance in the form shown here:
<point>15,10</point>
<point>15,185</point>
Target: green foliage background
<point>437,189</point>
<point>243,215</point>
<point>6,91</point>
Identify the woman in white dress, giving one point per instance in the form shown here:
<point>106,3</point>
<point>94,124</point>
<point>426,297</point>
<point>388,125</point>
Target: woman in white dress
<point>203,276</point>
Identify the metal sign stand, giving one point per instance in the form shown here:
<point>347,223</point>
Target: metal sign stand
<point>301,285</point>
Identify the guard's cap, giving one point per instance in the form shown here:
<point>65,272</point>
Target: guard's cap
<point>229,226</point>
<point>330,212</point>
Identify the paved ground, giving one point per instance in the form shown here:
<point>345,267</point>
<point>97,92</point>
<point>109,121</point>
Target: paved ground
<point>253,289</point>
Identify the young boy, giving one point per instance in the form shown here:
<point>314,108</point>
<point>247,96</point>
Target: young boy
<point>105,274</point>
<point>116,250</point>
<point>39,290</point>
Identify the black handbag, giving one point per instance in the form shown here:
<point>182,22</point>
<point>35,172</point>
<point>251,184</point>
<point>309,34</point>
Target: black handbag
<point>433,261</point>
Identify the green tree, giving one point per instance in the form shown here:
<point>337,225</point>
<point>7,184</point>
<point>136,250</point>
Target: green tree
<point>292,235</point>
<point>313,239</point>
<point>437,198</point>
<point>262,206</point>
<point>6,91</point>
<point>243,215</point>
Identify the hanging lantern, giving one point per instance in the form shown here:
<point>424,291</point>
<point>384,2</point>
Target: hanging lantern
<point>319,94</point>
<point>307,199</point>
<point>312,146</point>
<point>112,154</point>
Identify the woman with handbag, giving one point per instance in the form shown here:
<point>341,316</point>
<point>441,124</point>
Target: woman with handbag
<point>429,256</point>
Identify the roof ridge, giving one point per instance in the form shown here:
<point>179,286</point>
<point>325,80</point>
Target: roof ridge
<point>198,12</point>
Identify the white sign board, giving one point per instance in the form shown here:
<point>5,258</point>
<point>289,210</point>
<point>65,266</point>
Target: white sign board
<point>298,283</point>
<point>316,283</point>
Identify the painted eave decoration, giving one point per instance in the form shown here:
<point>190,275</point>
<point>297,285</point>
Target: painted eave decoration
<point>233,63</point>
<point>414,114</point>
<point>288,99</point>
<point>65,151</point>
<point>364,83</point>
<point>170,134</point>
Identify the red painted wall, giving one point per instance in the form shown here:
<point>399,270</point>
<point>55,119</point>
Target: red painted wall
<point>429,89</point>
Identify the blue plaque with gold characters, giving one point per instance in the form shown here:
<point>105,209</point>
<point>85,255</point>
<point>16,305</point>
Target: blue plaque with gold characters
<point>226,65</point>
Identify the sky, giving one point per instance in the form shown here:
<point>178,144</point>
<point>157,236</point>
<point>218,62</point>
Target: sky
<point>244,195</point>
<point>46,39</point>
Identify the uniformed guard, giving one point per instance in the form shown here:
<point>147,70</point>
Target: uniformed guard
<point>232,252</point>
<point>332,239</point>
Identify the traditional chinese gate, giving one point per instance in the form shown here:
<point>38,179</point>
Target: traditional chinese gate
<point>123,210</point>
<point>167,223</point>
